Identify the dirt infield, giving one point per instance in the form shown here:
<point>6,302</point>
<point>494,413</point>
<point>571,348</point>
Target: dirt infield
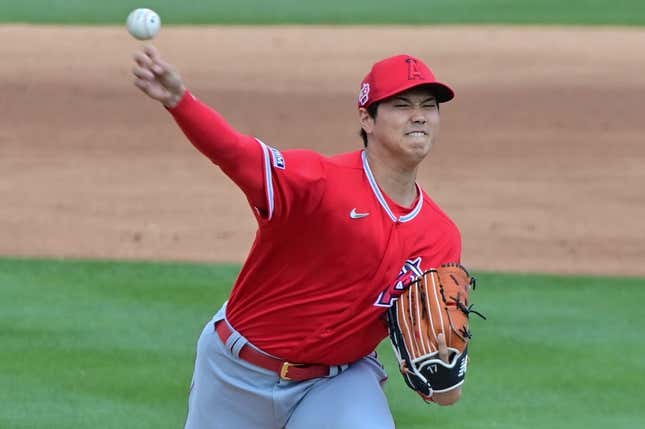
<point>540,159</point>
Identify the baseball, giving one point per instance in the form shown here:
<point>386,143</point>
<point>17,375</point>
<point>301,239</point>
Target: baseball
<point>143,24</point>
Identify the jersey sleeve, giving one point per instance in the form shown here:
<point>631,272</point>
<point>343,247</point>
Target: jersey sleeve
<point>276,184</point>
<point>294,181</point>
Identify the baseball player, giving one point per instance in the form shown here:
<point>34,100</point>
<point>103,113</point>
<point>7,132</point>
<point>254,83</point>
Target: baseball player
<point>293,347</point>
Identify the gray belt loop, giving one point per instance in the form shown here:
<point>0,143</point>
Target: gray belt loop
<point>236,347</point>
<point>235,342</point>
<point>334,370</point>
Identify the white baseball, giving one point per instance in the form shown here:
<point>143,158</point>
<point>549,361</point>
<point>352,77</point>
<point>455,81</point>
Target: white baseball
<point>143,24</point>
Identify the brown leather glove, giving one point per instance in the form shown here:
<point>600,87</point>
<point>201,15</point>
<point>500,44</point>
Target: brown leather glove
<point>436,302</point>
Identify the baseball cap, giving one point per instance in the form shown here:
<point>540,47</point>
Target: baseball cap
<point>397,74</point>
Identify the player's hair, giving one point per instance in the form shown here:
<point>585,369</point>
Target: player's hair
<point>372,110</point>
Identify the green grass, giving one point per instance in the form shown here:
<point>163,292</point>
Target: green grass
<point>88,344</point>
<point>578,12</point>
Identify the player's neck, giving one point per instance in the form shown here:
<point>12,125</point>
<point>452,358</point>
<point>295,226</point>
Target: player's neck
<point>396,179</point>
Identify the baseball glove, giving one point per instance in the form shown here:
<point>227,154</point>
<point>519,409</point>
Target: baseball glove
<point>438,301</point>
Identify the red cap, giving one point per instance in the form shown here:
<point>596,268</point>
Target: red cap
<point>397,74</point>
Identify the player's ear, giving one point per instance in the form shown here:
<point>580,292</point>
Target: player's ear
<point>366,120</point>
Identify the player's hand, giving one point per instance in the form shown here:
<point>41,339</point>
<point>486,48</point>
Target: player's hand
<point>156,78</point>
<point>451,396</point>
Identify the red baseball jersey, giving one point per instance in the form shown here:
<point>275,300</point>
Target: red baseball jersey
<point>331,247</point>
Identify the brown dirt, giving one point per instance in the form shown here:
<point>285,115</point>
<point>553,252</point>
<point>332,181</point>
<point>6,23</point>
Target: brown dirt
<point>540,159</point>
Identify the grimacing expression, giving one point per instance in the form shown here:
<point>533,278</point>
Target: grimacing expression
<point>406,124</point>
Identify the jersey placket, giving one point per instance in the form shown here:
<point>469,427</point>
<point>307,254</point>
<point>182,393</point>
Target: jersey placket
<point>381,199</point>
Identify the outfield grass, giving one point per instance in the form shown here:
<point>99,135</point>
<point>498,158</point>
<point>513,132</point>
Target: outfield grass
<point>579,12</point>
<point>111,345</point>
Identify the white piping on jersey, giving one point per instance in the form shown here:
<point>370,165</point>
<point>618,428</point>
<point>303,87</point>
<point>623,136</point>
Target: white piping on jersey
<point>381,199</point>
<point>267,178</point>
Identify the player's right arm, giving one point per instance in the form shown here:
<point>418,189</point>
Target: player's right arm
<point>277,185</point>
<point>238,155</point>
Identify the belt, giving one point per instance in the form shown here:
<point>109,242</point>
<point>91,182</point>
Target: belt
<point>286,370</point>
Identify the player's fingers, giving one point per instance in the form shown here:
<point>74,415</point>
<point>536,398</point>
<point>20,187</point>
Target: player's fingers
<point>142,73</point>
<point>165,74</point>
<point>153,53</point>
<point>161,67</point>
<point>158,65</point>
<point>443,349</point>
<point>142,59</point>
<point>141,84</point>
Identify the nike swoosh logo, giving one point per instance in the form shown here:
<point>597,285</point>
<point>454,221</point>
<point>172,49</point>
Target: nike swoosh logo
<point>355,215</point>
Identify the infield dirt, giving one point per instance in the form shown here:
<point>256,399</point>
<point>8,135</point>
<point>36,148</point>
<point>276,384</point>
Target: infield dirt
<point>540,158</point>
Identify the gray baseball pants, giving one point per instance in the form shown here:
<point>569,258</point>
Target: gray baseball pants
<point>230,393</point>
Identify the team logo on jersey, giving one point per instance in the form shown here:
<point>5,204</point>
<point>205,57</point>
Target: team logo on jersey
<point>364,95</point>
<point>410,271</point>
<point>278,159</point>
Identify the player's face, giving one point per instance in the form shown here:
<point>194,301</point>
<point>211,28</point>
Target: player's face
<point>406,125</point>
